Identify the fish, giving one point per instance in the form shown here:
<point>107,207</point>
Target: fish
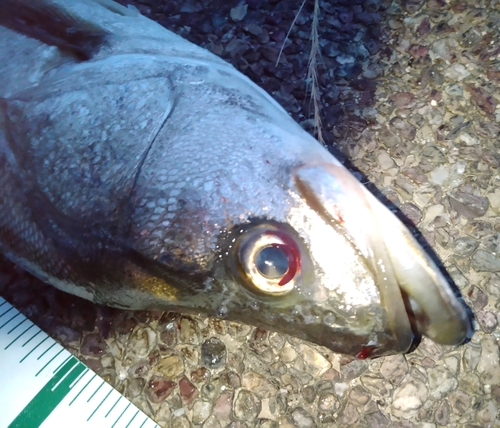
<point>141,171</point>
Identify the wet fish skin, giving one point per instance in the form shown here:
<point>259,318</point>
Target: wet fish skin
<point>141,171</point>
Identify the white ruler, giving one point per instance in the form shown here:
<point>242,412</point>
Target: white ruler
<point>43,385</point>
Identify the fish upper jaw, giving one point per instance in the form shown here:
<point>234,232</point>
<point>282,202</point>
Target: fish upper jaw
<point>415,295</point>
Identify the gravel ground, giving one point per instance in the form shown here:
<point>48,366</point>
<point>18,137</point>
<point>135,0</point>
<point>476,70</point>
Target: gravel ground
<point>409,95</point>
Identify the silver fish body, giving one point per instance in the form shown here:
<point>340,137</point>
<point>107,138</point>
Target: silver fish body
<point>141,171</point>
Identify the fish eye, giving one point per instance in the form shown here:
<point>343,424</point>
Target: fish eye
<point>269,260</point>
<point>272,262</point>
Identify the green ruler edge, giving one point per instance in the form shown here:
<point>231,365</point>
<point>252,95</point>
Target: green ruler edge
<point>43,385</point>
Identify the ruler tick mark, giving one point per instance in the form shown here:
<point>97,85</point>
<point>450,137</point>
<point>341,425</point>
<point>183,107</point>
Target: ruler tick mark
<point>113,406</point>
<point>95,392</point>
<point>100,404</point>
<point>30,352</point>
<point>81,390</point>
<point>32,337</point>
<point>19,336</point>
<point>48,362</point>
<point>6,312</point>
<point>17,325</point>
<point>131,420</point>
<point>120,415</point>
<point>9,320</point>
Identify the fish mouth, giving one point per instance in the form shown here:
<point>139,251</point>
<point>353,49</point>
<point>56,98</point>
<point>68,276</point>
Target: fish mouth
<point>415,295</point>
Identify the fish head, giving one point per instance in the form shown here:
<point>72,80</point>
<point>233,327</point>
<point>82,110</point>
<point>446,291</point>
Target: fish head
<point>341,271</point>
<point>294,243</point>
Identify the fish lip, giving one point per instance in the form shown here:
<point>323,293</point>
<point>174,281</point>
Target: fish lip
<point>415,295</point>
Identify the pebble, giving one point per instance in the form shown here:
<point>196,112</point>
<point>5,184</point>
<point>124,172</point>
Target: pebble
<point>188,330</point>
<point>384,160</point>
<point>441,382</point>
<point>213,352</point>
<point>494,200</point>
<point>141,342</point>
<point>259,385</point>
<point>403,128</point>
<point>302,419</point>
<point>468,205</point>
<point>239,12</point>
<point>403,99</point>
<point>460,402</point>
<point>359,396</point>
<point>171,366</point>
<point>487,321</point>
<point>354,369</point>
<point>443,48</point>
<point>93,345</point>
<point>412,6</point>
<point>223,405</point>
<point>388,138</point>
<point>394,368</point>
<point>495,393</point>
<point>485,261</point>
<point>488,366</point>
<point>409,398</point>
<point>442,413</point>
<point>159,388</point>
<point>201,411</point>
<point>456,72</point>
<point>135,387</point>
<point>418,51</point>
<point>187,390</point>
<point>482,99</point>
<point>376,386</point>
<point>246,406</point>
<point>376,420</point>
<point>327,402</point>
<point>465,246</point>
<point>350,415</point>
<point>487,414</point>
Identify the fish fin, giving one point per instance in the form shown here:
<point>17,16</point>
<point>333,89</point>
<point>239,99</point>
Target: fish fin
<point>54,25</point>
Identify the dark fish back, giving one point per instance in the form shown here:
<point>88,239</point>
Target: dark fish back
<point>48,23</point>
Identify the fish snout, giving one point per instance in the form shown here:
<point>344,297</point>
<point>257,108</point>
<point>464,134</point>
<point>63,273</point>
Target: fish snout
<point>416,297</point>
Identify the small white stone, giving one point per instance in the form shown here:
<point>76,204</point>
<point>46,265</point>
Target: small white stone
<point>489,361</point>
<point>488,414</point>
<point>384,159</point>
<point>434,211</point>
<point>494,199</point>
<point>468,139</point>
<point>441,382</point>
<point>238,13</point>
<point>288,354</point>
<point>456,72</point>
<point>341,388</point>
<point>201,411</point>
<point>439,175</point>
<point>316,364</point>
<point>409,398</point>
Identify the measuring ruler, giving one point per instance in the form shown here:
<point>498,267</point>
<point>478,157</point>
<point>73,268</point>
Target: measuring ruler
<point>43,385</point>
